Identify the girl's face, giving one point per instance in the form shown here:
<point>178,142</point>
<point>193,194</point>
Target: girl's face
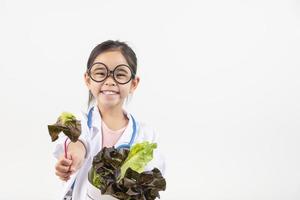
<point>108,93</point>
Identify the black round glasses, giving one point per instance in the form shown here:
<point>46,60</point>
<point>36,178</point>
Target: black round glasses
<point>122,74</point>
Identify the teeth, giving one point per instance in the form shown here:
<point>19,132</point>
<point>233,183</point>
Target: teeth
<point>108,92</point>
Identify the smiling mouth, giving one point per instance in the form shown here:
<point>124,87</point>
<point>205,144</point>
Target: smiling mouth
<point>109,92</point>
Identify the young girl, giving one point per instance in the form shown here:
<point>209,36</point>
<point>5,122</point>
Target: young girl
<point>110,78</point>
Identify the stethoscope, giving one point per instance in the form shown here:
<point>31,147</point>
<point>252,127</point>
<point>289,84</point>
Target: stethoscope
<point>89,123</point>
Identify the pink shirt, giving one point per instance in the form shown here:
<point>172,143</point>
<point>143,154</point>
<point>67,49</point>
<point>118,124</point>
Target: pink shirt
<point>110,137</point>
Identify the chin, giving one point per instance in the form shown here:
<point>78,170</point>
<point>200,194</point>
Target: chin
<point>109,105</point>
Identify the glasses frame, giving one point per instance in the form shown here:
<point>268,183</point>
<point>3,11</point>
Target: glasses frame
<point>110,73</point>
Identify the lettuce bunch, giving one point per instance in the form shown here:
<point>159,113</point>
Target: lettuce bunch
<point>68,124</point>
<point>120,173</point>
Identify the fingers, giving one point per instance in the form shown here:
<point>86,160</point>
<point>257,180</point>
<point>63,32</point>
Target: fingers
<point>63,165</point>
<point>63,176</point>
<point>62,168</point>
<point>66,161</point>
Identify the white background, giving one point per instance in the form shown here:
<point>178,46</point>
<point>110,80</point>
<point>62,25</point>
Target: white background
<point>219,80</point>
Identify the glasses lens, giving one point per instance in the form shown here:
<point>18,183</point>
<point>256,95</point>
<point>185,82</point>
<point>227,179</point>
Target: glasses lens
<point>98,72</point>
<point>122,74</point>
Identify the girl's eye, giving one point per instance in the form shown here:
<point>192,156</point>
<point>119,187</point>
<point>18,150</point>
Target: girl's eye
<point>100,73</point>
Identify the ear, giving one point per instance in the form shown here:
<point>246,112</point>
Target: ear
<point>87,80</point>
<point>134,84</point>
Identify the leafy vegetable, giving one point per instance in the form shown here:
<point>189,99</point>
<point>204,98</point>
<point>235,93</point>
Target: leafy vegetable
<point>135,183</point>
<point>138,186</point>
<point>107,167</point>
<point>140,154</point>
<point>68,124</point>
<point>67,118</point>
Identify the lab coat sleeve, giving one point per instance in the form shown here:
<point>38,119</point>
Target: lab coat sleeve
<point>85,136</point>
<point>158,160</point>
<point>59,146</point>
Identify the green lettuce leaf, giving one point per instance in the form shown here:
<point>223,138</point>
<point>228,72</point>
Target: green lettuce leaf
<point>67,118</point>
<point>139,156</point>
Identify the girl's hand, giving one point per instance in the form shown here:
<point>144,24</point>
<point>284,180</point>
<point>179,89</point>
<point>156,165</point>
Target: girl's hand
<point>65,167</point>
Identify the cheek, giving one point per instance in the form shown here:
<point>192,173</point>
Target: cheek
<point>95,89</point>
<point>124,91</point>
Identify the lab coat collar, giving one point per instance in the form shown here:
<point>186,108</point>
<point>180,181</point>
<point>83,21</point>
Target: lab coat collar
<point>96,127</point>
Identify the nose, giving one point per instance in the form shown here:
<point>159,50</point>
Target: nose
<point>110,81</point>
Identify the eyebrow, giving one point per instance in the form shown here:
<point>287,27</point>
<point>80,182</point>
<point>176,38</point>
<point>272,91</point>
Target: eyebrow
<point>114,67</point>
<point>99,68</point>
<point>123,70</point>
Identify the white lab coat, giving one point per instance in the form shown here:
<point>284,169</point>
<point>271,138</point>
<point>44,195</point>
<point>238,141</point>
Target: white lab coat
<point>92,139</point>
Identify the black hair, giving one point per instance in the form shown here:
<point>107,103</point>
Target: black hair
<point>113,45</point>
